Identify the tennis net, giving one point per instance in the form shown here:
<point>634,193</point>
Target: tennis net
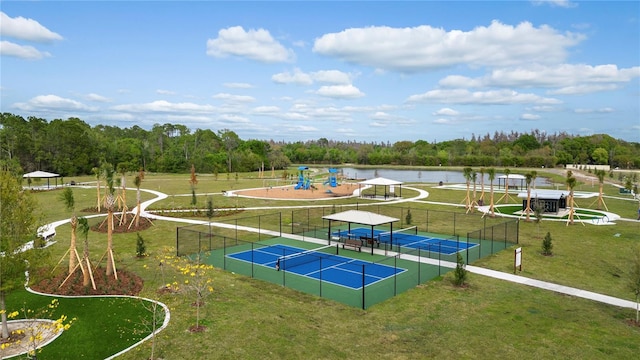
<point>307,256</point>
<point>396,235</point>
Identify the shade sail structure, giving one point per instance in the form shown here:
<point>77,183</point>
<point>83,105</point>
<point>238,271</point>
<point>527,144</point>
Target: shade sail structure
<point>388,185</point>
<point>42,175</point>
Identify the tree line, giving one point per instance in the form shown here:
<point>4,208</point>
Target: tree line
<point>73,147</point>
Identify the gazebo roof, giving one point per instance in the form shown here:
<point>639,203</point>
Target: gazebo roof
<point>545,194</point>
<point>380,181</point>
<point>361,217</point>
<point>513,176</point>
<point>40,174</point>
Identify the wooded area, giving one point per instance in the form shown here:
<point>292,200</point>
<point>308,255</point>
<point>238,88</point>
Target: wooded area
<point>73,147</point>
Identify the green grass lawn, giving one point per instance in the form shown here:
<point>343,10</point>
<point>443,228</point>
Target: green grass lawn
<point>252,319</point>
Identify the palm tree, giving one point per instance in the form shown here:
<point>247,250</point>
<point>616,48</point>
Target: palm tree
<point>467,175</point>
<point>481,185</point>
<point>474,177</point>
<point>122,170</point>
<point>85,263</point>
<point>527,178</point>
<point>137,182</point>
<point>571,183</point>
<point>601,175</point>
<point>506,185</point>
<point>97,172</point>
<point>492,175</point>
<point>534,176</point>
<point>69,203</point>
<point>109,203</point>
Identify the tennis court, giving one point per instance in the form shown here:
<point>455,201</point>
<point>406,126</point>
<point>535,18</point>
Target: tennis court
<point>321,264</point>
<point>407,238</point>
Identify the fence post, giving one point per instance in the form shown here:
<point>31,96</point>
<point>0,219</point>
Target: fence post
<point>178,241</point>
<point>364,306</point>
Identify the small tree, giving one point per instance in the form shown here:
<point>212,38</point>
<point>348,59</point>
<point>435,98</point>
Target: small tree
<point>141,248</point>
<point>634,280</point>
<point>195,281</point>
<point>193,180</point>
<point>408,218</point>
<point>547,245</point>
<point>460,274</point>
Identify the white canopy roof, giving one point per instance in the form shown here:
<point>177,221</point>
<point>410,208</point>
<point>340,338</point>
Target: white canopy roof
<point>40,174</point>
<point>361,217</point>
<point>380,181</point>
<point>545,194</point>
<point>513,176</point>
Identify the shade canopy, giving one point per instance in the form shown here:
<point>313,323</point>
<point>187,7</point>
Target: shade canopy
<point>380,181</point>
<point>361,217</point>
<point>384,182</point>
<point>40,174</point>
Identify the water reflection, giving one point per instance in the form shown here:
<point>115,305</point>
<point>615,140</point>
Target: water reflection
<point>424,176</point>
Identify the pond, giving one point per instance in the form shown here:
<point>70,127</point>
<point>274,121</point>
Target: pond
<point>424,176</point>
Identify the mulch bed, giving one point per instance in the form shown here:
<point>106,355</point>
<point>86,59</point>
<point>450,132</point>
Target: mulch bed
<point>127,283</point>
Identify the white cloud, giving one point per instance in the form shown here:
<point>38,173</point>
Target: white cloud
<point>52,102</point>
<point>238,85</point>
<point>25,29</point>
<point>529,117</point>
<point>494,97</point>
<point>584,89</point>
<point>378,124</point>
<point>165,92</point>
<point>164,106</point>
<point>544,108</point>
<point>425,48</point>
<point>442,121</point>
<point>298,77</point>
<point>446,112</point>
<point>97,98</point>
<point>233,119</point>
<point>594,111</point>
<point>303,128</point>
<point>265,110</point>
<point>558,3</point>
<point>21,51</point>
<point>340,92</point>
<point>568,78</point>
<point>332,76</point>
<point>234,98</point>
<point>458,81</point>
<point>256,45</point>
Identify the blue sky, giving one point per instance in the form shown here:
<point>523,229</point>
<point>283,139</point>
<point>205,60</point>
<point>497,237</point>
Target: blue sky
<point>362,70</point>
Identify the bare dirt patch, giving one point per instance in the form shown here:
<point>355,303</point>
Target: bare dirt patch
<point>288,192</point>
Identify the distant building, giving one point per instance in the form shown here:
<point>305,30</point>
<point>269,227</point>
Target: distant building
<point>552,201</point>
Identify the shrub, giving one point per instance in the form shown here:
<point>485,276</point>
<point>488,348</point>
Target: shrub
<point>141,249</point>
<point>460,274</point>
<point>547,245</point>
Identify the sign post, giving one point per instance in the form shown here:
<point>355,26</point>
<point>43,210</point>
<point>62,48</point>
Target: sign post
<point>517,260</point>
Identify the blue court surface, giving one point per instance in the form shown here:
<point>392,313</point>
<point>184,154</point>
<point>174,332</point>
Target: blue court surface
<point>408,240</point>
<point>320,265</point>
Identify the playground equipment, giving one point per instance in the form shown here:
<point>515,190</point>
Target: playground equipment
<point>333,178</point>
<point>304,182</point>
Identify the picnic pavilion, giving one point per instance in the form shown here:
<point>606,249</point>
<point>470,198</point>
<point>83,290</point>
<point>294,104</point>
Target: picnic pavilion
<point>387,184</point>
<point>362,218</point>
<point>42,175</point>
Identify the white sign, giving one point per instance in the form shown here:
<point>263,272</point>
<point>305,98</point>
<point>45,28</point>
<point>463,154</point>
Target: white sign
<point>518,260</point>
